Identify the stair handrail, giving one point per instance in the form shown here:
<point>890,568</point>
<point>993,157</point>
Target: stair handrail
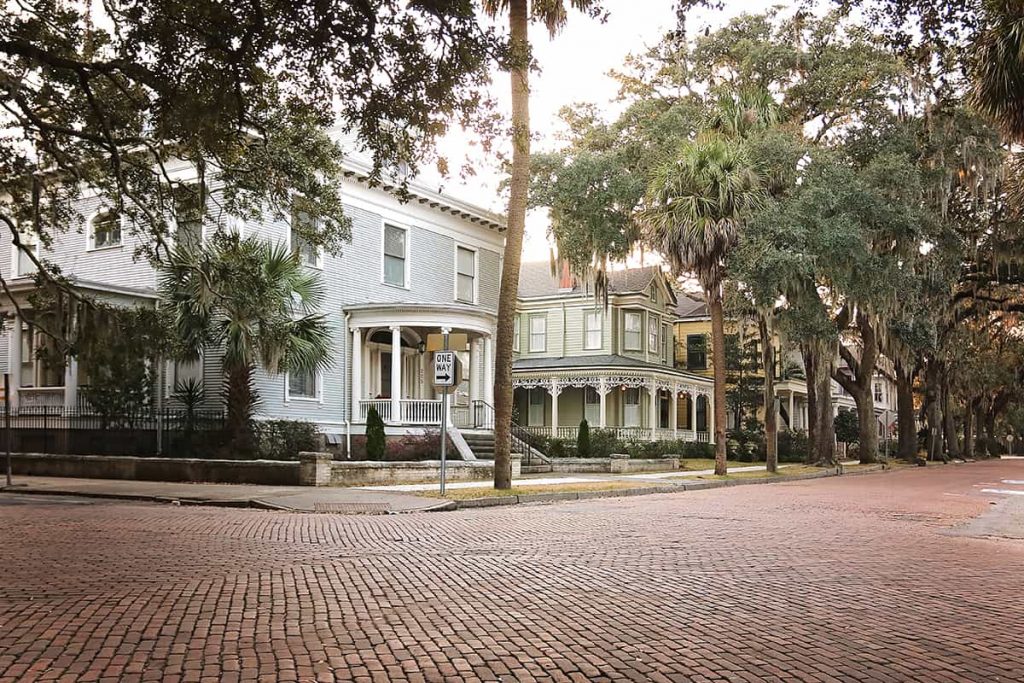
<point>523,441</point>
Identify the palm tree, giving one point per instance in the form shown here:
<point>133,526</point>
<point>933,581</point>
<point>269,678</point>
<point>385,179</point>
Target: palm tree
<point>553,14</point>
<point>693,211</point>
<point>257,302</point>
<point>998,88</point>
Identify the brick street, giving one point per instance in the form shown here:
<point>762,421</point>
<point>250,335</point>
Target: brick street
<point>857,578</point>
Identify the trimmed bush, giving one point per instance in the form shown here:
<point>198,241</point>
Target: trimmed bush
<point>583,440</point>
<point>793,446</point>
<point>376,441</point>
<point>284,439</point>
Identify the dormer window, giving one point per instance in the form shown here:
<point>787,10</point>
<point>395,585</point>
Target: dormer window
<point>654,293</point>
<point>105,230</point>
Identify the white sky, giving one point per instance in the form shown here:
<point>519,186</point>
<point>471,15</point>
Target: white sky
<point>574,68</point>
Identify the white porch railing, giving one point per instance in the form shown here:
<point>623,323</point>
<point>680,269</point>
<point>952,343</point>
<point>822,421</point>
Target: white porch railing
<point>627,433</point>
<point>48,397</point>
<point>383,407</point>
<point>420,411</point>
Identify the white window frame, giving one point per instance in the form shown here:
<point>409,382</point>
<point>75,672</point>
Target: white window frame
<point>517,332</point>
<point>319,263</point>
<point>174,214</point>
<point>384,225</point>
<point>653,333</point>
<point>587,330</point>
<point>16,253</point>
<point>318,386</point>
<point>626,316</point>
<point>476,273</point>
<point>91,231</point>
<point>543,333</point>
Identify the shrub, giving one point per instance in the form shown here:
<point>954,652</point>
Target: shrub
<point>559,448</point>
<point>376,442</point>
<point>696,449</point>
<point>604,442</point>
<point>793,446</point>
<point>284,439</point>
<point>847,426</point>
<point>583,440</point>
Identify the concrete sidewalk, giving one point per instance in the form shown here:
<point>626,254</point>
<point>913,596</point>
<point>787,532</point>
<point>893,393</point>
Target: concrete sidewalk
<point>288,498</point>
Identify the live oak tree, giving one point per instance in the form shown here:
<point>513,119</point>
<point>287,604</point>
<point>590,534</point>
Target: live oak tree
<point>112,98</point>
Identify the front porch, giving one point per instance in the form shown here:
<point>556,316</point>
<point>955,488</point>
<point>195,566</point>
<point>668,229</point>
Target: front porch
<point>391,366</point>
<point>655,406</point>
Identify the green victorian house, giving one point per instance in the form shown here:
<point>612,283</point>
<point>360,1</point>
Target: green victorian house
<point>612,362</point>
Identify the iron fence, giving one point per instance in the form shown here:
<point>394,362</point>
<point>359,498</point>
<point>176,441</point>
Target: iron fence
<point>86,431</point>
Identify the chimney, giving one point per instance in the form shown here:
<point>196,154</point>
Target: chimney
<point>566,281</point>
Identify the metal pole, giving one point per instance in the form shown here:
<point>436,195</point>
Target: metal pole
<point>159,406</point>
<point>7,423</point>
<point>444,423</point>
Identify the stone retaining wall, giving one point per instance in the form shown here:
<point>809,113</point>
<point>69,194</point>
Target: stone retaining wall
<point>275,472</point>
<point>373,473</point>
<point>616,464</point>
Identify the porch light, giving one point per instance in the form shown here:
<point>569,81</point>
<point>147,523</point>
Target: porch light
<point>421,347</point>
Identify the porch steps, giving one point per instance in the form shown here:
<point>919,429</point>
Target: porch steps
<point>481,443</point>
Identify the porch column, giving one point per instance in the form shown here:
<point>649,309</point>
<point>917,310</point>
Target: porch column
<point>554,407</point>
<point>602,390</point>
<point>71,384</point>
<point>396,374</point>
<point>14,359</point>
<point>792,421</point>
<point>488,374</point>
<point>673,415</point>
<point>652,409</point>
<point>710,401</point>
<point>475,372</point>
<point>357,371</point>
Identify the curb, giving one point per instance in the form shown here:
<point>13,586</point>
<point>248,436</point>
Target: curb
<point>693,485</point>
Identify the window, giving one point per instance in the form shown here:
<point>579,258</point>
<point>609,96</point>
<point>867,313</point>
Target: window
<point>188,215</point>
<point>536,413</point>
<point>591,406</point>
<point>465,275</point>
<point>105,230</point>
<point>592,329</point>
<point>395,244</point>
<point>633,336</point>
<point>631,408</point>
<point>538,333</point>
<point>653,328</point>
<point>702,414</point>
<point>878,392</point>
<point>22,258</point>
<point>309,254</point>
<point>654,293</point>
<point>666,345</point>
<point>516,333</point>
<point>302,384</point>
<point>696,352</point>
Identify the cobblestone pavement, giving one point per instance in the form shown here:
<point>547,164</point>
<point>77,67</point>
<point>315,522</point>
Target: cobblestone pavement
<point>855,578</point>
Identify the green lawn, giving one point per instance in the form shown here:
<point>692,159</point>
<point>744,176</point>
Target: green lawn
<point>709,464</point>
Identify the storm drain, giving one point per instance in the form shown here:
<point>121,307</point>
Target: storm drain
<point>353,508</point>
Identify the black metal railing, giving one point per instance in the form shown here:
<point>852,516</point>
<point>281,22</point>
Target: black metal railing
<point>522,440</point>
<point>86,431</point>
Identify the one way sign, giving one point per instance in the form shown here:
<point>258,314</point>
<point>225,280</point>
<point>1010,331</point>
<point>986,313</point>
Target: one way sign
<point>444,368</point>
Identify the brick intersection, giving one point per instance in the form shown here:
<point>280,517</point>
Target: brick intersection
<point>848,579</point>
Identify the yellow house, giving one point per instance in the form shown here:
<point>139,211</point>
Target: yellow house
<point>693,354</point>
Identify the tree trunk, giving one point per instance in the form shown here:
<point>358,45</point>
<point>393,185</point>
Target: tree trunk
<point>907,424</point>
<point>867,423</point>
<point>714,297</point>
<point>969,429</point>
<point>981,445</point>
<point>949,423</point>
<point>823,448</point>
<point>812,402</point>
<point>933,412</point>
<point>518,194</point>
<point>240,400</point>
<point>771,423</point>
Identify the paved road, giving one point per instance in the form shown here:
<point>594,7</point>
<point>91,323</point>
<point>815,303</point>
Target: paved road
<point>858,578</point>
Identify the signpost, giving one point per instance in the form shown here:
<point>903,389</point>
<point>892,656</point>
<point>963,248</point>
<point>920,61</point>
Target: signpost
<point>445,377</point>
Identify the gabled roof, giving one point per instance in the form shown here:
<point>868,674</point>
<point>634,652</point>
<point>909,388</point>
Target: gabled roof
<point>536,280</point>
<point>689,308</point>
